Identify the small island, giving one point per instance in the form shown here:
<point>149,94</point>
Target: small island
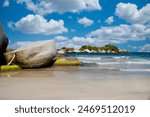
<point>93,49</point>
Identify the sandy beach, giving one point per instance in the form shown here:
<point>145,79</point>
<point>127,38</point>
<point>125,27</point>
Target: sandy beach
<point>73,83</point>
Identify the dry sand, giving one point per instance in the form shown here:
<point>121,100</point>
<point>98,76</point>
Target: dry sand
<point>73,84</point>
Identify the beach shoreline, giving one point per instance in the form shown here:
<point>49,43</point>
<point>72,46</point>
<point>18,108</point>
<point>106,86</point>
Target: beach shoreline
<point>71,83</point>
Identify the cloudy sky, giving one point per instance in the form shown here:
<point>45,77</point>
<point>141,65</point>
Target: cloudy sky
<point>73,23</point>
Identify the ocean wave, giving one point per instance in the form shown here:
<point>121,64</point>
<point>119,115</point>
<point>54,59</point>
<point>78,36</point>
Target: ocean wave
<point>117,62</point>
<point>128,62</point>
<point>89,58</point>
<point>117,66</point>
<point>100,58</point>
<point>107,63</point>
<point>137,62</point>
<point>135,70</point>
<point>121,57</point>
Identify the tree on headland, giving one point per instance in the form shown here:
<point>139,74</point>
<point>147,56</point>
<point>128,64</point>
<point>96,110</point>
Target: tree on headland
<point>67,49</point>
<point>106,48</point>
<point>85,47</point>
<point>111,48</point>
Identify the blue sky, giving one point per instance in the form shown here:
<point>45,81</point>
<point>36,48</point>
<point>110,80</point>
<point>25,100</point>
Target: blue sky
<point>73,23</point>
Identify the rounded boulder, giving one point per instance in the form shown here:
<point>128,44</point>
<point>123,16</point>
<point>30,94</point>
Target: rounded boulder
<point>34,55</point>
<point>67,61</point>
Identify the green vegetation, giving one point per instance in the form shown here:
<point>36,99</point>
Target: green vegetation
<point>66,50</point>
<point>94,48</point>
<point>111,48</point>
<point>9,68</point>
<point>105,49</point>
<point>68,61</point>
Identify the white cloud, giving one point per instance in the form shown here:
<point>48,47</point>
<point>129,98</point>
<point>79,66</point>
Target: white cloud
<point>133,48</point>
<point>60,38</point>
<point>83,41</point>
<point>110,35</point>
<point>85,21</point>
<point>145,48</point>
<point>37,24</point>
<point>122,33</point>
<point>6,3</point>
<point>109,20</point>
<point>44,7</point>
<point>76,42</point>
<point>130,13</point>
<point>19,44</point>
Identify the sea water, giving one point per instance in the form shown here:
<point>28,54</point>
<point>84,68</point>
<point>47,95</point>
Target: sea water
<point>129,62</point>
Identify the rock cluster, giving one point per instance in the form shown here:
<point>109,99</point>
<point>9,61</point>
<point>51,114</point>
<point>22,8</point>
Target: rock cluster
<point>34,55</point>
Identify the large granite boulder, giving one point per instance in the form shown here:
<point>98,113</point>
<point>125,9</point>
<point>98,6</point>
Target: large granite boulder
<point>34,55</point>
<point>3,45</point>
<point>67,61</point>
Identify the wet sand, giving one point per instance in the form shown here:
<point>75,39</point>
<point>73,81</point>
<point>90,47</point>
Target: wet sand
<point>73,84</point>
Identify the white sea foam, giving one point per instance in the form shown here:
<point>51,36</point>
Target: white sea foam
<point>128,62</point>
<point>104,58</point>
<point>136,70</point>
<point>138,62</point>
<point>121,57</point>
<point>108,63</point>
<point>119,60</point>
<point>121,63</point>
<point>89,58</point>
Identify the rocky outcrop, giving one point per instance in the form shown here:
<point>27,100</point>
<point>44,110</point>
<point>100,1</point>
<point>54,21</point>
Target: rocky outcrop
<point>67,61</point>
<point>3,45</point>
<point>34,55</point>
